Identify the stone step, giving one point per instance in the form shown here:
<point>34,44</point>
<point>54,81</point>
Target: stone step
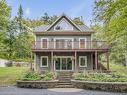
<point>64,83</point>
<point>64,86</point>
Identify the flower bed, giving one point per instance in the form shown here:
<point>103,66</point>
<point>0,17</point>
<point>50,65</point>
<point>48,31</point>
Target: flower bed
<point>34,80</point>
<point>100,77</point>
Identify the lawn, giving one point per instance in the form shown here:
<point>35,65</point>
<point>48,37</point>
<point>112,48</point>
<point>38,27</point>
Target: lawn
<point>119,69</point>
<point>9,75</point>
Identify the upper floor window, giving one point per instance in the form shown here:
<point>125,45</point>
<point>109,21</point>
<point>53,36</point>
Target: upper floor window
<point>82,43</point>
<point>63,25</point>
<point>44,43</point>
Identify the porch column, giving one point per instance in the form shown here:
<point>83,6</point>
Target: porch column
<point>52,64</point>
<point>75,61</point>
<point>96,60</point>
<point>107,55</point>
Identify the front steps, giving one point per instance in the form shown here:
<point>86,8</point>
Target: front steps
<point>64,80</point>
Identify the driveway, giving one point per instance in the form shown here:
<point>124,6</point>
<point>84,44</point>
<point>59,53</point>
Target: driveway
<point>55,91</point>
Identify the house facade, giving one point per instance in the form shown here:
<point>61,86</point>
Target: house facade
<point>65,46</point>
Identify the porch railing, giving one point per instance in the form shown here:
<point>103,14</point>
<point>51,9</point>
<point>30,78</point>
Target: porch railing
<point>70,45</point>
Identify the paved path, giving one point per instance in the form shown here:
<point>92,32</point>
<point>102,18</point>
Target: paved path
<point>55,91</point>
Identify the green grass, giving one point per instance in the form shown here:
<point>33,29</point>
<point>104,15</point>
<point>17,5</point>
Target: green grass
<point>9,75</point>
<point>119,69</point>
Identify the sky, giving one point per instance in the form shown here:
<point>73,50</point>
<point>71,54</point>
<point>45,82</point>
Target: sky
<point>34,9</point>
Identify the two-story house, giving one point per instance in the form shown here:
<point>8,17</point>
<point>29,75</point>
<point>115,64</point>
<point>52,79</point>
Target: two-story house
<point>65,46</point>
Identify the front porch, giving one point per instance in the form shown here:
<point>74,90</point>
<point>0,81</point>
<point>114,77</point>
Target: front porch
<point>60,61</point>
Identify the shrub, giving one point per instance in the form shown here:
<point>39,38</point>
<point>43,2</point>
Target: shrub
<point>31,76</point>
<point>99,77</point>
<point>9,64</point>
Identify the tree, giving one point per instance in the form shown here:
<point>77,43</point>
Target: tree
<point>46,18</point>
<point>78,21</point>
<point>4,15</point>
<point>113,15</point>
<point>20,17</point>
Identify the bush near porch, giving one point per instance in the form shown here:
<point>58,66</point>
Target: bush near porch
<point>100,77</point>
<point>33,76</point>
<point>119,74</point>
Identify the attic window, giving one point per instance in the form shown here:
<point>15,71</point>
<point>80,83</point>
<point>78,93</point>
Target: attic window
<point>63,25</point>
<point>57,28</point>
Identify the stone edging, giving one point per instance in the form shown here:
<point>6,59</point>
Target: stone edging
<point>103,86</point>
<point>37,84</point>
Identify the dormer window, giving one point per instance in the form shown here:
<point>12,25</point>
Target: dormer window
<point>63,25</point>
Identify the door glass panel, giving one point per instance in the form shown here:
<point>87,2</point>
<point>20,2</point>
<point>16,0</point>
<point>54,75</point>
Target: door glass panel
<point>69,64</point>
<point>64,67</point>
<point>57,64</point>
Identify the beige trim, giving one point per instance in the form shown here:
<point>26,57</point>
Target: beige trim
<point>85,61</point>
<point>41,61</point>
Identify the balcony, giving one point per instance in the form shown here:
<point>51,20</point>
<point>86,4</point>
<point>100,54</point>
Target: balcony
<point>70,45</point>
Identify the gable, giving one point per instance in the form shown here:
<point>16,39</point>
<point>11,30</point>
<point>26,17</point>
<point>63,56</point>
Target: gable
<point>63,24</point>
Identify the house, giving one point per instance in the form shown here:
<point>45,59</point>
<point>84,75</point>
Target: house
<point>65,46</point>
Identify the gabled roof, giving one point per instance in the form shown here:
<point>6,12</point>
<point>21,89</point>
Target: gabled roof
<point>44,28</point>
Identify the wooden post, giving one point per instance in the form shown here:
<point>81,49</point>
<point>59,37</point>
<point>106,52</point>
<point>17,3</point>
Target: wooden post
<point>52,66</point>
<point>75,61</point>
<point>107,55</point>
<point>96,60</point>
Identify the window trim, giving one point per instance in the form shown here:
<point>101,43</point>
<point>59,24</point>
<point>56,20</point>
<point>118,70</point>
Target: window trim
<point>47,43</point>
<point>80,61</point>
<point>80,44</point>
<point>41,61</point>
<point>63,29</point>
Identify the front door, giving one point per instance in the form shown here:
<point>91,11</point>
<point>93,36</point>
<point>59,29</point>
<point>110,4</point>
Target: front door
<point>64,64</point>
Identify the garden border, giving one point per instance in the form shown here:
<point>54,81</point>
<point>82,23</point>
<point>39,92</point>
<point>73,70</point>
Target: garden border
<point>37,84</point>
<point>103,86</point>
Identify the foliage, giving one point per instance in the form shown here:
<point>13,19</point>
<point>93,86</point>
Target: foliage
<point>112,15</point>
<point>33,76</point>
<point>100,77</point>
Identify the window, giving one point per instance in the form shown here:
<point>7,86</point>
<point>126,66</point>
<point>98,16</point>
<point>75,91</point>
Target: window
<point>63,25</point>
<point>44,43</point>
<point>44,61</point>
<point>83,61</point>
<point>82,43</point>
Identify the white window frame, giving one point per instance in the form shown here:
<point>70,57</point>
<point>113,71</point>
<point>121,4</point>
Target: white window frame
<point>47,43</point>
<point>41,61</point>
<point>63,29</point>
<point>64,39</point>
<point>85,43</point>
<point>80,61</point>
